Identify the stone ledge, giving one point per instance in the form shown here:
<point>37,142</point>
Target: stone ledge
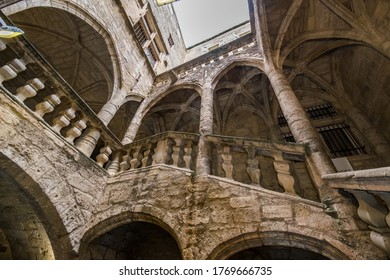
<point>368,180</point>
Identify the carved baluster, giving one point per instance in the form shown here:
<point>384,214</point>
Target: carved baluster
<point>30,89</point>
<point>88,141</point>
<point>76,130</point>
<point>146,160</point>
<point>64,119</point>
<point>162,152</point>
<point>12,68</point>
<point>385,196</point>
<point>114,166</point>
<point>48,104</point>
<point>3,46</point>
<point>187,154</point>
<point>135,162</point>
<point>374,214</point>
<point>283,170</point>
<point>125,164</point>
<point>253,166</point>
<point>370,210</point>
<point>104,155</point>
<point>227,165</point>
<point>176,148</point>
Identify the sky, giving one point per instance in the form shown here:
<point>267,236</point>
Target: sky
<point>202,19</point>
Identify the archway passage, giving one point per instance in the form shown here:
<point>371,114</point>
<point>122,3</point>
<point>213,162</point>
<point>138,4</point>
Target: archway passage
<point>276,253</point>
<point>22,235</point>
<point>134,241</point>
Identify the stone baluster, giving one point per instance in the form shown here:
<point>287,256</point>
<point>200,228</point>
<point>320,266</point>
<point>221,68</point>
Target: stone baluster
<point>104,155</point>
<point>114,166</point>
<point>48,104</point>
<point>226,157</point>
<point>88,140</point>
<point>375,215</point>
<point>136,162</point>
<point>385,196</point>
<point>30,89</point>
<point>370,210</point>
<point>176,149</point>
<point>64,119</point>
<point>162,152</point>
<point>147,160</point>
<point>253,166</point>
<point>283,171</point>
<point>12,68</point>
<point>187,156</point>
<point>76,130</point>
<point>3,46</point>
<point>125,163</point>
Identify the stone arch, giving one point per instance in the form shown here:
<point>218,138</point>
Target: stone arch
<point>352,36</point>
<point>122,219</point>
<point>84,15</point>
<point>48,224</point>
<point>173,109</point>
<point>237,96</point>
<point>254,62</point>
<point>154,99</point>
<point>329,248</point>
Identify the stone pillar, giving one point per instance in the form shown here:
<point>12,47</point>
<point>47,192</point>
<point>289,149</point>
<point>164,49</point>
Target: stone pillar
<point>302,130</point>
<point>108,111</point>
<point>133,128</point>
<point>206,123</point>
<point>87,142</point>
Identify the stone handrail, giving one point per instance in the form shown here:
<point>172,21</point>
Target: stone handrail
<point>29,79</point>
<point>170,148</point>
<point>281,158</point>
<point>371,188</point>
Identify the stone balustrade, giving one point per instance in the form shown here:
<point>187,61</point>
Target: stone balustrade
<point>273,165</point>
<point>169,148</point>
<point>27,78</point>
<point>30,80</point>
<point>371,188</point>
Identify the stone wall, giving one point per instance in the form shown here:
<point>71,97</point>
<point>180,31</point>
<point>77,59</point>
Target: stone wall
<point>59,181</point>
<point>215,218</point>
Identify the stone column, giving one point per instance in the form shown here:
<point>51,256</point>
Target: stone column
<point>108,111</point>
<point>302,130</point>
<point>135,123</point>
<point>206,123</point>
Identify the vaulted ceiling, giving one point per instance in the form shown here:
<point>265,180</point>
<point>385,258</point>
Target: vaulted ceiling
<point>77,51</point>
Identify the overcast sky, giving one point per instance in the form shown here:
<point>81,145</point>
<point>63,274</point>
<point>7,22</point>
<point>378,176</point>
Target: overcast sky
<point>202,19</point>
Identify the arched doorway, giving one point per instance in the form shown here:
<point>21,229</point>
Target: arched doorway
<point>134,241</point>
<point>276,253</point>
<point>22,232</point>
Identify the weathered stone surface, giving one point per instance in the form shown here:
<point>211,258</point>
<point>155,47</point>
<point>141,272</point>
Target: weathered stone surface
<point>211,195</point>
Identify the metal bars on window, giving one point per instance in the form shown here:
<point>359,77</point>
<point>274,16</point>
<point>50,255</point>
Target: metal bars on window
<point>321,112</point>
<point>282,121</point>
<point>170,40</point>
<point>288,137</point>
<point>340,141</point>
<point>140,33</point>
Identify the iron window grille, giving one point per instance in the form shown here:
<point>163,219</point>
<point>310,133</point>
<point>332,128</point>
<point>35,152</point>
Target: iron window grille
<point>321,112</point>
<point>340,141</point>
<point>288,137</point>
